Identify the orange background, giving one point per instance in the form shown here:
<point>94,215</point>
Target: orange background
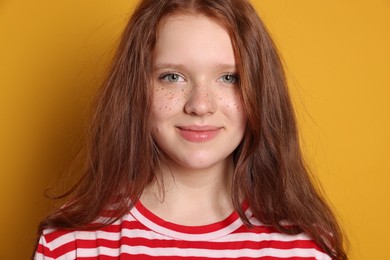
<point>53,55</point>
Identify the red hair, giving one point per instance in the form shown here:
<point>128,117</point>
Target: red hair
<point>121,157</point>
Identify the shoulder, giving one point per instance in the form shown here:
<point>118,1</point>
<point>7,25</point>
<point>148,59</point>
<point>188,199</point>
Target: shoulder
<point>277,244</point>
<point>53,244</point>
<point>70,244</point>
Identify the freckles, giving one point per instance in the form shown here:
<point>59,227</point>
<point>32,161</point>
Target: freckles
<point>237,105</point>
<point>158,100</point>
<point>231,104</point>
<point>169,95</point>
<point>207,95</point>
<point>228,103</point>
<point>170,100</point>
<point>185,93</point>
<point>167,100</point>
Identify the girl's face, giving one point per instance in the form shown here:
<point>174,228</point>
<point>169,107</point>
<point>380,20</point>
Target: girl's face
<point>197,115</point>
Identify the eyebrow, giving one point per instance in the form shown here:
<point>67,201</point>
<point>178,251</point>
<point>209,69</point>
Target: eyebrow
<point>224,66</point>
<point>168,65</point>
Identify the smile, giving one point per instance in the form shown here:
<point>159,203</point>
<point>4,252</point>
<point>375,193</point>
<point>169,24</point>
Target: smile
<point>198,133</point>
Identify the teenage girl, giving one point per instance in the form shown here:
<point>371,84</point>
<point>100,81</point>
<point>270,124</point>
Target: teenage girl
<point>193,151</point>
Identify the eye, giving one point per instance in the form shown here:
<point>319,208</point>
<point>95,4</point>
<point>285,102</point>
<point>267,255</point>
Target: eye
<point>229,78</point>
<point>172,77</point>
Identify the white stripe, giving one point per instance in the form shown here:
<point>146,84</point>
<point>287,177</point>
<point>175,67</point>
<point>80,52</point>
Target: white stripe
<point>48,230</point>
<point>127,217</point>
<point>255,222</point>
<point>68,256</point>
<point>39,256</point>
<point>186,236</point>
<point>111,236</point>
<point>210,253</point>
<point>262,237</point>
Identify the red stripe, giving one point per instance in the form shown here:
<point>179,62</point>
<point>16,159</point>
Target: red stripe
<point>65,248</point>
<point>41,249</point>
<point>147,257</point>
<point>56,234</point>
<point>189,229</point>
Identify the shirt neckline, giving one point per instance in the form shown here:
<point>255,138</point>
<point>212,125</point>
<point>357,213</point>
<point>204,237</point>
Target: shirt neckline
<point>189,233</point>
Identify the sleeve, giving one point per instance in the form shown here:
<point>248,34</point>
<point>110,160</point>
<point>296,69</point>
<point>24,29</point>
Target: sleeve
<point>43,252</point>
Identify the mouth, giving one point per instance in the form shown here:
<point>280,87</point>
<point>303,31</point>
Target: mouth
<point>198,134</point>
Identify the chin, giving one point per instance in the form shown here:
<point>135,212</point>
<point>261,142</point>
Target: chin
<point>204,162</point>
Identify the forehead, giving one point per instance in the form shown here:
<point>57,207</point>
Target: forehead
<point>182,35</point>
<point>186,17</point>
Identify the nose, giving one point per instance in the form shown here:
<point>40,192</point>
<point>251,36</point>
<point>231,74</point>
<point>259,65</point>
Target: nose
<point>200,101</point>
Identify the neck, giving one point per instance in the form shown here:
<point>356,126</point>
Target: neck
<point>191,196</point>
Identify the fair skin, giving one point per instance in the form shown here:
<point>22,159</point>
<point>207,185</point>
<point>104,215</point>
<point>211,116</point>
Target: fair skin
<point>197,120</point>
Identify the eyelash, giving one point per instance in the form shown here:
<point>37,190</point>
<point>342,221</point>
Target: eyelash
<point>164,75</point>
<point>235,76</point>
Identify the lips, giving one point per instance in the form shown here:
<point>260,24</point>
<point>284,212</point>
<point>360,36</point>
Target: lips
<point>195,133</point>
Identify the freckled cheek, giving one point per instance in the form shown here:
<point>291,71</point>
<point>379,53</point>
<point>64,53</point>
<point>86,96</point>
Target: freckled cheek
<point>231,103</point>
<point>232,107</point>
<point>165,101</point>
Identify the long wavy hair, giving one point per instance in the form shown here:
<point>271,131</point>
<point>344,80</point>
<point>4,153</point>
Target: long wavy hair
<point>121,156</point>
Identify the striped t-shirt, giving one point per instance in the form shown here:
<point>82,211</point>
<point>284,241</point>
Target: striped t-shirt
<point>142,235</point>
